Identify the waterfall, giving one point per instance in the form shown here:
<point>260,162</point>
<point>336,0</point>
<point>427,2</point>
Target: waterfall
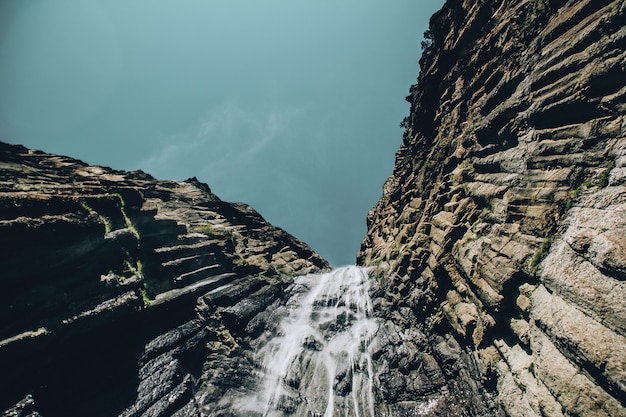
<point>318,363</point>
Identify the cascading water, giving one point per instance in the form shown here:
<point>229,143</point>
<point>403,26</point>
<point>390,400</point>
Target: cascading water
<point>318,363</point>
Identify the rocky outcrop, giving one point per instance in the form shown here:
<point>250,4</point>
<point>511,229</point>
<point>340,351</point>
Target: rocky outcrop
<point>499,244</point>
<point>500,233</point>
<point>124,295</point>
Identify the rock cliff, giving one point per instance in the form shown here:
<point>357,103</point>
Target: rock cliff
<point>124,295</point>
<point>499,245</point>
<point>501,234</point>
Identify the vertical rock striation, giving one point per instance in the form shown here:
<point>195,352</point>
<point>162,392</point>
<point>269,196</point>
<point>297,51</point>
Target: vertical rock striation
<point>118,290</point>
<point>503,224</point>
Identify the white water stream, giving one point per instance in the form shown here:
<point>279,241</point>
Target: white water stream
<point>319,363</point>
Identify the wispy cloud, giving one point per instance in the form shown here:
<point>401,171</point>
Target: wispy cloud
<point>220,144</point>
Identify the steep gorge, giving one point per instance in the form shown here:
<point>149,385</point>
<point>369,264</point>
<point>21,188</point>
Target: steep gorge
<point>498,247</point>
<point>500,234</point>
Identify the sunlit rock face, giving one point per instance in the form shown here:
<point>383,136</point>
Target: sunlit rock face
<point>503,223</point>
<point>116,286</point>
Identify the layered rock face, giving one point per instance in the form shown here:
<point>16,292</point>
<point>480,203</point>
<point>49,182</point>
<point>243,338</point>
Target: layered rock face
<point>501,234</point>
<point>124,295</point>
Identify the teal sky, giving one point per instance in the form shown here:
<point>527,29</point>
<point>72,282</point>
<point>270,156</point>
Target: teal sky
<point>291,106</point>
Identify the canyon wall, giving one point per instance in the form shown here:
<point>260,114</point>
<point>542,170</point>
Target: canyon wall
<point>499,245</point>
<point>124,295</point>
<point>500,237</point>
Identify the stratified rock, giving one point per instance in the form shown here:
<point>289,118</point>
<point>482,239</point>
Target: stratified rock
<point>503,223</point>
<point>119,291</point>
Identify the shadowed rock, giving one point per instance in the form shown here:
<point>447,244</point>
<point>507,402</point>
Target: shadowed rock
<point>119,290</point>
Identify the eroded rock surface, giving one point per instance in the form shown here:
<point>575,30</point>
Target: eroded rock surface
<point>124,295</point>
<point>499,242</point>
<point>503,223</point>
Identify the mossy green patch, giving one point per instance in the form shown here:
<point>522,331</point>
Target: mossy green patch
<point>540,254</point>
<point>603,180</point>
<point>206,229</point>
